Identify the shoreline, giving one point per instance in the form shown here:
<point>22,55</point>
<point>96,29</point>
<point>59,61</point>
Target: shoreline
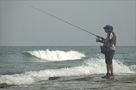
<point>87,82</point>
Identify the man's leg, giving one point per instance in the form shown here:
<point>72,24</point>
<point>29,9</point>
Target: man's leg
<point>108,72</point>
<point>111,54</point>
<point>111,69</point>
<point>108,68</point>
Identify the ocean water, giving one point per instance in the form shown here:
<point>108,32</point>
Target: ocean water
<point>65,68</point>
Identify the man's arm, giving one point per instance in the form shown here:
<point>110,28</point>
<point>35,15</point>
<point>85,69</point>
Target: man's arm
<point>100,37</point>
<point>114,38</point>
<point>101,40</point>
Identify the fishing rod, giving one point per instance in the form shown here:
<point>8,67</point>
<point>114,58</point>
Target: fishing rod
<point>58,18</point>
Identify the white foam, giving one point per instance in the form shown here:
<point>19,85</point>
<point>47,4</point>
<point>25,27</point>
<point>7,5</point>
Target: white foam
<point>98,66</point>
<point>91,66</point>
<point>57,55</point>
<point>133,67</point>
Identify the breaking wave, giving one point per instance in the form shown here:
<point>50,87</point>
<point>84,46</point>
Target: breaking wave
<point>56,55</point>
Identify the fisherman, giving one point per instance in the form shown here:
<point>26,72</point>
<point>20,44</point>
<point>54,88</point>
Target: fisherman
<point>108,49</point>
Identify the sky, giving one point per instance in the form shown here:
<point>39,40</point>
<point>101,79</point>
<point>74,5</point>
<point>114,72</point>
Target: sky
<point>22,25</point>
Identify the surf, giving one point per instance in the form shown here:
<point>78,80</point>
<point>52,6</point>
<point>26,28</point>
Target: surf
<point>89,67</point>
<point>56,55</point>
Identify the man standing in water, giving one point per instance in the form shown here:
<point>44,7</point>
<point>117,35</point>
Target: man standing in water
<point>108,49</point>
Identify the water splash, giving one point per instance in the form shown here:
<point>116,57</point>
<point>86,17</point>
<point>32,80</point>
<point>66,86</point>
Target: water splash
<point>56,55</point>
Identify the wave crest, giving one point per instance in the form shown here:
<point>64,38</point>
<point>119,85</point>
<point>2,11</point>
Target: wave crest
<point>56,55</point>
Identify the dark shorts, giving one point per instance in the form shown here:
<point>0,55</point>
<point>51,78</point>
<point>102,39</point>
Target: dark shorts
<point>109,56</point>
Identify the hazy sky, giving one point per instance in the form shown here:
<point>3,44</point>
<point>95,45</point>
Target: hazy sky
<point>22,25</point>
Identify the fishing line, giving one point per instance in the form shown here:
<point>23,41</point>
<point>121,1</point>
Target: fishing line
<point>58,18</point>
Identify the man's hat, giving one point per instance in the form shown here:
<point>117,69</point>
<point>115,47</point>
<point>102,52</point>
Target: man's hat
<point>108,28</point>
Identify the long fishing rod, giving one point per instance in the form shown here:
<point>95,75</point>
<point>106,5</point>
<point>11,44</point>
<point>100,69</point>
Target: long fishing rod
<point>58,18</point>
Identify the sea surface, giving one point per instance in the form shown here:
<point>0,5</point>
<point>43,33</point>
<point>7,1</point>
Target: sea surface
<point>65,68</point>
